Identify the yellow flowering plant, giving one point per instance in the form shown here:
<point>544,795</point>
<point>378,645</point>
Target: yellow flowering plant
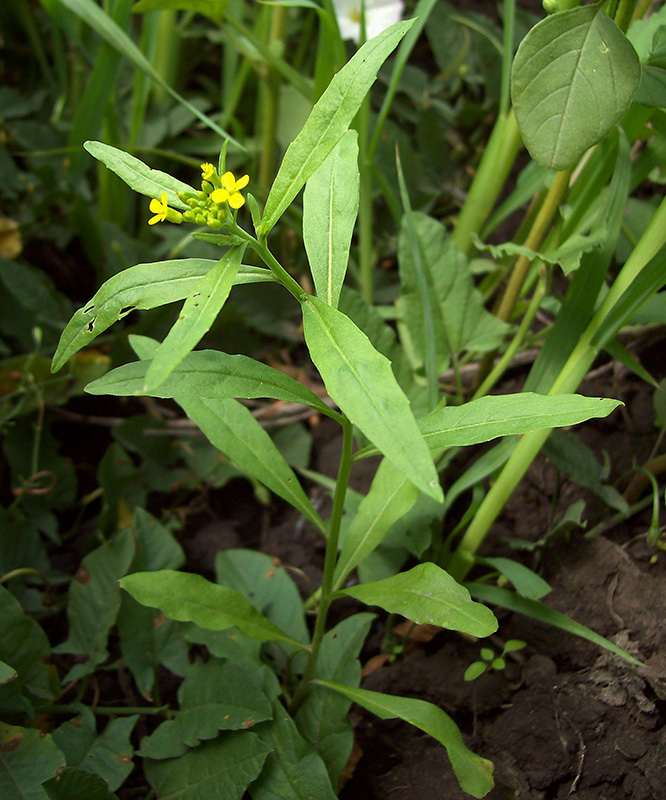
<point>294,730</point>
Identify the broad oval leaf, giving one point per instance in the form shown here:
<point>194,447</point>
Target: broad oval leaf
<point>328,121</point>
<point>428,594</point>
<point>27,758</point>
<point>143,286</point>
<point>475,774</point>
<point>330,207</point>
<point>196,318</point>
<point>191,598</point>
<point>361,382</point>
<point>573,79</point>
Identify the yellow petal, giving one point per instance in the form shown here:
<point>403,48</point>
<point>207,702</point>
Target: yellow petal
<point>154,220</point>
<point>164,201</point>
<point>236,200</point>
<point>155,206</point>
<point>241,183</point>
<point>228,181</point>
<point>219,195</point>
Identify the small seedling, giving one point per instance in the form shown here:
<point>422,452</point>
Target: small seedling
<point>492,661</point>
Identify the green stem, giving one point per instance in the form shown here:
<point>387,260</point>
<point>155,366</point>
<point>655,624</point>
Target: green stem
<point>509,24</point>
<point>625,14</point>
<point>496,163</point>
<point>330,559</point>
<point>568,380</point>
<point>281,275</point>
<point>534,240</point>
<point>269,99</point>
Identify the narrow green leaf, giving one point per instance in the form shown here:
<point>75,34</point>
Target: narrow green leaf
<point>361,382</point>
<point>391,496</point>
<point>190,598</point>
<point>213,9</point>
<point>293,770</point>
<point>27,758</point>
<point>105,27</point>
<point>232,429</point>
<point>144,286</point>
<point>574,76</point>
<point>525,581</point>
<point>505,598</point>
<point>330,208</point>
<point>329,120</point>
<point>210,375</point>
<point>504,415</point>
<point>221,768</point>
<point>196,318</point>
<point>139,176</point>
<point>475,774</point>
<point>428,594</point>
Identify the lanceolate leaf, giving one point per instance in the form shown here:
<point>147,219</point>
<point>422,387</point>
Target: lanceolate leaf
<point>475,774</point>
<point>428,594</point>
<point>489,417</point>
<point>233,430</point>
<point>330,207</point>
<point>210,375</point>
<point>139,176</point>
<point>506,415</point>
<point>196,318</point>
<point>191,598</point>
<point>141,287</point>
<point>574,76</point>
<point>361,382</point>
<point>328,121</point>
<point>391,496</point>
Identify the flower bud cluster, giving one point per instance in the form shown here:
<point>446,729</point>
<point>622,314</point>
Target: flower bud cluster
<point>208,207</point>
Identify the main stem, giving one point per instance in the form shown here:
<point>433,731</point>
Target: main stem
<point>330,559</point>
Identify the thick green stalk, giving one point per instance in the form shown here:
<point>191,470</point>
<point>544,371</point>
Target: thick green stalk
<point>330,559</point>
<point>501,150</point>
<point>568,380</point>
<point>269,99</point>
<point>625,14</point>
<point>496,163</point>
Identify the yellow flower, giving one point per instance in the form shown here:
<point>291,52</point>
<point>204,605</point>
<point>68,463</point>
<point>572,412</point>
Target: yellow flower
<point>207,171</point>
<point>162,211</point>
<point>230,191</point>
